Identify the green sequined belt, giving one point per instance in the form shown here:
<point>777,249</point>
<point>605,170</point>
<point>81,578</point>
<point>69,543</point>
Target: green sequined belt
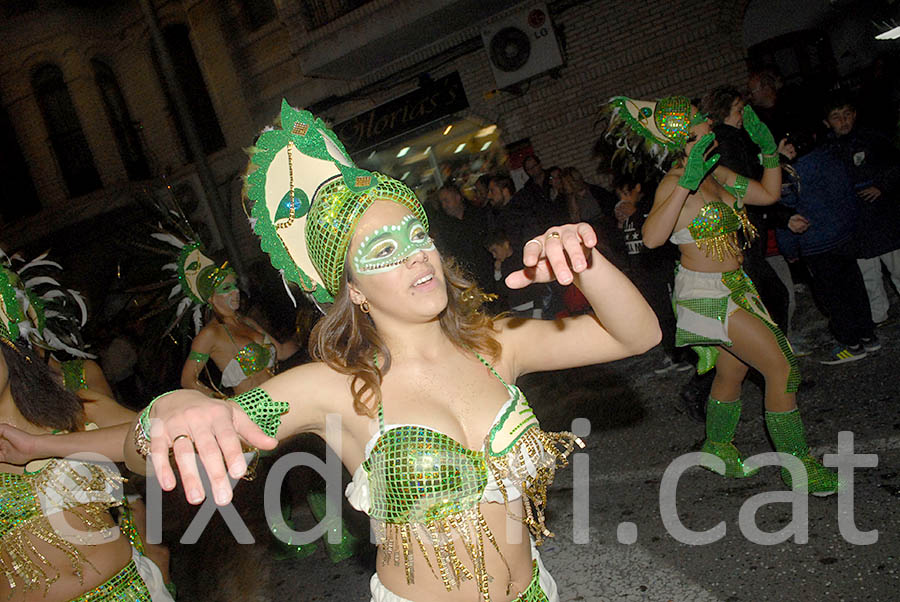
<point>124,586</point>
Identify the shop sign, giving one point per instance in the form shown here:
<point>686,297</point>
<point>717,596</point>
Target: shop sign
<point>443,97</point>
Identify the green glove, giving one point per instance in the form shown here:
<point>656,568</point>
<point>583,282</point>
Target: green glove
<point>697,165</point>
<point>759,132</point>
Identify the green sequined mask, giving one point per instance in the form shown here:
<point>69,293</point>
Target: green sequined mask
<point>391,245</point>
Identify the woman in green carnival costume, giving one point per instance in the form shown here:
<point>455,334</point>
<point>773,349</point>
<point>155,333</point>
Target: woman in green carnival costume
<point>442,446</point>
<point>43,501</point>
<point>700,207</point>
<point>244,352</point>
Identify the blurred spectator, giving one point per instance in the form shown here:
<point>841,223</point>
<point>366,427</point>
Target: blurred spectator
<point>875,171</point>
<point>524,302</point>
<point>737,152</point>
<point>583,206</point>
<point>481,198</point>
<point>651,270</point>
<point>457,229</point>
<point>559,207</point>
<point>822,232</point>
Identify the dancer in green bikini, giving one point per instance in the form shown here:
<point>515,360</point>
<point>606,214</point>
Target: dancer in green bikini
<point>442,445</point>
<point>700,207</point>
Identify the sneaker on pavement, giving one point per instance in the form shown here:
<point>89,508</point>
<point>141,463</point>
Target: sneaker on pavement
<point>843,354</point>
<point>870,344</point>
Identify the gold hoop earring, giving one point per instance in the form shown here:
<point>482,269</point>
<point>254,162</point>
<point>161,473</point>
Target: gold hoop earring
<point>364,307</point>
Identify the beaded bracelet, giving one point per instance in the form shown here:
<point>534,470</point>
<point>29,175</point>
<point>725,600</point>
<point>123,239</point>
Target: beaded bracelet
<point>142,429</point>
<point>770,161</point>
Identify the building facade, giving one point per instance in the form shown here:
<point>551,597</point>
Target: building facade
<point>89,124</point>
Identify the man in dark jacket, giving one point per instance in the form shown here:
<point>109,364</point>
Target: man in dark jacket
<point>875,170</point>
<point>822,232</point>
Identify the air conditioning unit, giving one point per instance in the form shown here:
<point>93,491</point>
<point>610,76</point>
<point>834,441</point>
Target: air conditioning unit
<point>522,45</point>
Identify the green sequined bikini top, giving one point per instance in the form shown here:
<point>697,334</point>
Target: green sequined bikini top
<point>419,484</point>
<point>27,499</point>
<point>250,359</point>
<point>715,230</point>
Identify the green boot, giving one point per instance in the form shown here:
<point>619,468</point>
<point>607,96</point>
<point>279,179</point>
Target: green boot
<point>288,549</point>
<point>786,430</point>
<point>721,421</point>
<point>336,551</point>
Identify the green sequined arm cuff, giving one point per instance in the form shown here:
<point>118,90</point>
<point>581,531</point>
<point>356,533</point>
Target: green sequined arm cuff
<point>262,409</point>
<point>739,190</point>
<point>198,357</point>
<point>770,161</point>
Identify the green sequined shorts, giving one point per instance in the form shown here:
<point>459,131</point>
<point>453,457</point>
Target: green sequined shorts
<point>703,302</point>
<point>124,586</point>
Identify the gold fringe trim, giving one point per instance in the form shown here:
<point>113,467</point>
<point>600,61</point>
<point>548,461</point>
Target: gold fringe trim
<point>67,488</point>
<point>720,246</point>
<point>443,560</point>
<point>548,451</point>
<point>750,232</point>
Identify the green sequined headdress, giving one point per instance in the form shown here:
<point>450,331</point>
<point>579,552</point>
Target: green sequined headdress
<point>661,127</point>
<point>308,197</point>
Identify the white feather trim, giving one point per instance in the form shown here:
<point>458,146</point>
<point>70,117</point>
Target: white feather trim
<point>168,238</point>
<point>81,305</point>
<point>198,320</point>
<point>38,280</point>
<point>287,288</point>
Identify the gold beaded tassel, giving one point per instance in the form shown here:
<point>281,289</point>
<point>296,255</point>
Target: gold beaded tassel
<point>750,232</point>
<point>60,482</point>
<point>721,246</point>
<point>472,529</point>
<point>553,449</point>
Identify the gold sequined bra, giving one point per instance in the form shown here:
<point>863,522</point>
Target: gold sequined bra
<point>715,230</point>
<point>83,489</point>
<point>421,487</point>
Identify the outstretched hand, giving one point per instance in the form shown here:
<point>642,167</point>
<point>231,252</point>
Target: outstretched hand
<point>192,425</point>
<point>16,446</point>
<point>697,165</point>
<point>557,254</point>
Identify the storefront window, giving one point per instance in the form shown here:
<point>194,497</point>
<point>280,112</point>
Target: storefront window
<point>454,150</point>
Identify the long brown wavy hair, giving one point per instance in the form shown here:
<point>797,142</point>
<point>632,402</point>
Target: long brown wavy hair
<point>346,339</point>
<point>36,392</point>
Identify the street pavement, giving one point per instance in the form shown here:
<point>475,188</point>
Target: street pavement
<point>629,549</point>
